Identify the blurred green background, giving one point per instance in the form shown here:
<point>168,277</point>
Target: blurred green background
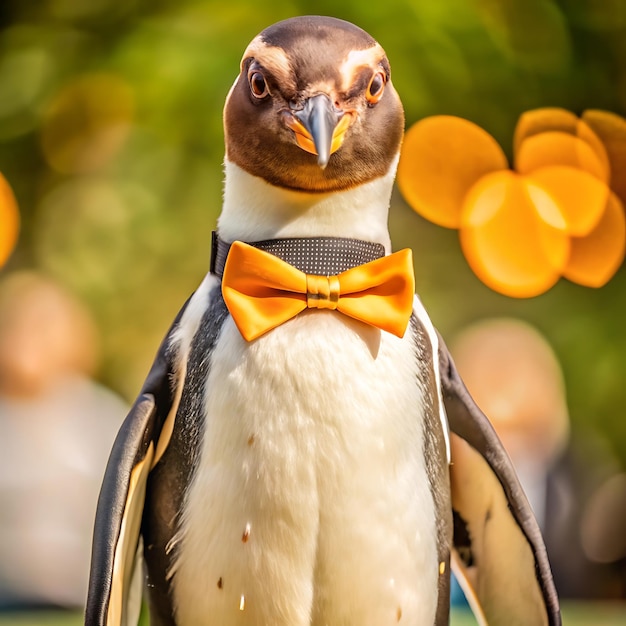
<point>111,138</point>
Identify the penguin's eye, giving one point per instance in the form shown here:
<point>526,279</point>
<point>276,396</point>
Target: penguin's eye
<point>258,84</point>
<point>376,87</point>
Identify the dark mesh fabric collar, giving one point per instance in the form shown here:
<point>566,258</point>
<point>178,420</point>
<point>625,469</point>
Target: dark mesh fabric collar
<point>323,256</point>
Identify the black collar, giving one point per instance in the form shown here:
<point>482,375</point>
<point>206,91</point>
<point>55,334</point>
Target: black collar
<point>323,256</point>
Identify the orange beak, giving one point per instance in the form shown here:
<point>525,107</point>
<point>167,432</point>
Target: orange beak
<point>319,127</point>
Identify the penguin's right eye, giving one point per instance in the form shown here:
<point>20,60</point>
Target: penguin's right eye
<point>258,84</point>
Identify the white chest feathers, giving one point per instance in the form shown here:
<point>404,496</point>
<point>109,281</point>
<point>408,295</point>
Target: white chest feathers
<point>310,504</point>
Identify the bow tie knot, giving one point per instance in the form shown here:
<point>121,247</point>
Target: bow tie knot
<point>322,292</point>
<point>262,291</point>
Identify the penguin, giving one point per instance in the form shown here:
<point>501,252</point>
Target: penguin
<point>325,465</point>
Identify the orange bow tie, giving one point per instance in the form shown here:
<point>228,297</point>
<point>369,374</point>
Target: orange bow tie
<point>262,291</point>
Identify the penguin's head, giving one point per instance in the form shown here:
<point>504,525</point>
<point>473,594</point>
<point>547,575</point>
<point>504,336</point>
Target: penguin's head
<point>313,108</point>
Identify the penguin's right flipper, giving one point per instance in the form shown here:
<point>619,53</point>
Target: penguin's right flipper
<point>499,557</point>
<point>116,541</point>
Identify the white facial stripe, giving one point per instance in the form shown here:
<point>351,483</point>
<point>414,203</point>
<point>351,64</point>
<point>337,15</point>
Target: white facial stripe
<point>323,86</point>
<point>357,60</point>
<point>271,57</point>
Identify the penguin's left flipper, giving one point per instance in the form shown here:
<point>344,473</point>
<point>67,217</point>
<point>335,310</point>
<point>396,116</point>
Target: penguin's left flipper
<point>499,555</point>
<point>114,597</point>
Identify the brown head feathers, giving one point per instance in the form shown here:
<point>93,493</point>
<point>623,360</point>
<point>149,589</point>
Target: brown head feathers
<point>313,108</point>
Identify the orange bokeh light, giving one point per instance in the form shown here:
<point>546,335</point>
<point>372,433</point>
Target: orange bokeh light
<point>435,173</point>
<point>560,212</point>
<point>9,221</point>
<point>506,242</point>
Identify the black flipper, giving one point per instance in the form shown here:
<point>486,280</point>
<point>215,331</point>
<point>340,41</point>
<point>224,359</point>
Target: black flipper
<point>500,556</point>
<point>120,504</point>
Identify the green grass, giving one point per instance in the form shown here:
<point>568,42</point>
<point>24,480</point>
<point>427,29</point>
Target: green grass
<point>41,618</point>
<point>574,614</point>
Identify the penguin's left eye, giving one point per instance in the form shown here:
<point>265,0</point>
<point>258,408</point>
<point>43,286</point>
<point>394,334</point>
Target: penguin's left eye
<point>376,87</point>
<point>258,84</point>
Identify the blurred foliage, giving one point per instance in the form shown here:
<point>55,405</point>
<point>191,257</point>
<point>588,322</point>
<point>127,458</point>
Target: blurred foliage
<point>111,138</point>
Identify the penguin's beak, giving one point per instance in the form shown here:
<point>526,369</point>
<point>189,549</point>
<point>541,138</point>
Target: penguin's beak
<point>319,127</point>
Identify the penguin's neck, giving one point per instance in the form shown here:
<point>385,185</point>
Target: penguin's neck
<point>254,210</point>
